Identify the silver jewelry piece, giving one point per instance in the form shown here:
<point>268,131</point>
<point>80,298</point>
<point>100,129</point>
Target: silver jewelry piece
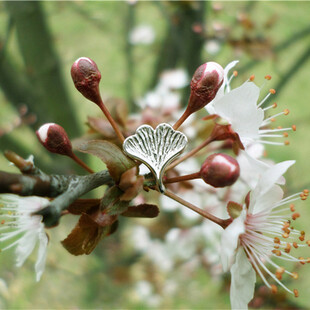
<point>155,148</point>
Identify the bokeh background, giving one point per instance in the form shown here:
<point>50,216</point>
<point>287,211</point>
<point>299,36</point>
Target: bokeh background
<point>133,42</point>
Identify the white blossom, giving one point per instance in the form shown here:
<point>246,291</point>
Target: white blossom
<point>22,230</point>
<point>241,108</point>
<point>142,34</point>
<point>261,232</point>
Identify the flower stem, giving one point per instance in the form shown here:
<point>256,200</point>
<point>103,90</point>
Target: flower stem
<point>111,120</point>
<point>191,153</point>
<point>81,163</point>
<point>205,214</point>
<point>181,120</point>
<point>187,177</point>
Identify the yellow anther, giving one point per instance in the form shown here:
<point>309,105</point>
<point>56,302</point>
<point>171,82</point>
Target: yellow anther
<point>292,207</point>
<point>295,216</point>
<point>285,134</point>
<point>295,245</point>
<point>276,252</point>
<point>294,127</point>
<point>302,260</point>
<point>272,91</point>
<point>268,77</point>
<point>274,105</point>
<point>235,73</point>
<point>276,240</point>
<point>302,238</point>
<point>296,294</point>
<point>274,289</point>
<point>308,242</point>
<point>294,275</point>
<point>286,111</point>
<point>288,248</point>
<point>252,77</point>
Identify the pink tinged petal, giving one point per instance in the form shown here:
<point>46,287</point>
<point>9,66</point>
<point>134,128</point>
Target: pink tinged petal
<point>25,246</point>
<point>230,240</point>
<point>41,259</point>
<point>268,179</point>
<point>239,108</point>
<point>243,280</point>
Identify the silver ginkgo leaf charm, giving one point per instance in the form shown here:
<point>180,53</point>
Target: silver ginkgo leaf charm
<point>155,148</point>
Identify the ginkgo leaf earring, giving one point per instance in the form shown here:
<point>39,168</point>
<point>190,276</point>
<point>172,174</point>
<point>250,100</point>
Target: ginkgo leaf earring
<point>155,148</point>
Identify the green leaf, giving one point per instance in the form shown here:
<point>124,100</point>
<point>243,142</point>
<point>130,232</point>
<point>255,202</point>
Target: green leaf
<point>117,162</point>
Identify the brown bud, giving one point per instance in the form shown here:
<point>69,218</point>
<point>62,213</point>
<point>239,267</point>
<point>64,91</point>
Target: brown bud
<point>55,139</point>
<point>86,78</point>
<point>220,170</point>
<point>205,83</point>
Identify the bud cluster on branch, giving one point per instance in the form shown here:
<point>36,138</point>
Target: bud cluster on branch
<point>222,171</point>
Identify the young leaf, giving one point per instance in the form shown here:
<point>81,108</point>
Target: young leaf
<point>117,163</point>
<point>83,206</point>
<point>111,203</point>
<point>88,231</point>
<point>84,237</point>
<point>143,210</point>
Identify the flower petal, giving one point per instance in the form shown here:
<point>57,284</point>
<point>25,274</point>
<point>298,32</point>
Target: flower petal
<point>239,108</point>
<point>267,181</point>
<point>25,246</point>
<point>267,201</point>
<point>230,239</point>
<point>40,263</point>
<point>243,280</point>
<point>224,88</point>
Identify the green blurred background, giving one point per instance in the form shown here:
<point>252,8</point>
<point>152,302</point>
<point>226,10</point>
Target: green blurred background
<point>39,41</point>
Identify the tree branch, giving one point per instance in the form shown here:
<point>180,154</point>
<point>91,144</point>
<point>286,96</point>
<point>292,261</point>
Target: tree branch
<point>78,186</point>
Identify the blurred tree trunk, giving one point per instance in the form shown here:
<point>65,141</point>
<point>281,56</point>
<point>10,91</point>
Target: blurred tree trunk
<point>52,103</point>
<point>184,38</point>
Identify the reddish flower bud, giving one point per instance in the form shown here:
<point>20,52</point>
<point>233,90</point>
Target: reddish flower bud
<point>205,83</point>
<point>86,77</point>
<point>220,170</point>
<point>55,139</point>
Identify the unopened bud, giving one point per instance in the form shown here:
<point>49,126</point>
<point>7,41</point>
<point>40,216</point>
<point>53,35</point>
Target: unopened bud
<point>205,83</point>
<point>86,77</point>
<point>220,170</point>
<point>55,139</point>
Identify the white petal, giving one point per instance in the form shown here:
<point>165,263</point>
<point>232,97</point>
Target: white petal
<point>266,201</point>
<point>251,169</point>
<point>226,71</point>
<point>25,246</point>
<point>230,239</point>
<point>239,108</point>
<point>270,177</point>
<point>243,280</point>
<point>220,93</point>
<point>40,263</point>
